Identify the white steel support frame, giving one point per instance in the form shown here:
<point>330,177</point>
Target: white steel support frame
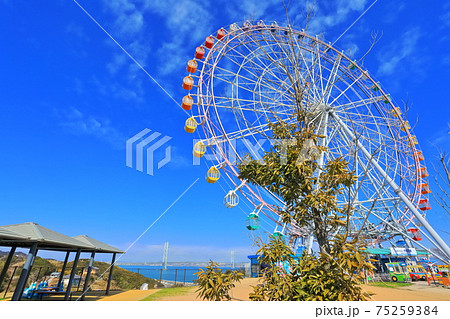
<point>439,241</point>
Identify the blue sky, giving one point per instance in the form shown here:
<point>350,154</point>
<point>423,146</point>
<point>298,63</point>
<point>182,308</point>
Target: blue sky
<point>70,98</point>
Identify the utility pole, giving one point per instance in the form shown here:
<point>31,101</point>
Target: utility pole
<point>232,259</point>
<point>165,254</point>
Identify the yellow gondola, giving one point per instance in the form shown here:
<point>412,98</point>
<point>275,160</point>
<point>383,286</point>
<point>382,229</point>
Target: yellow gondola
<point>199,149</point>
<point>406,126</point>
<point>212,175</point>
<point>190,125</point>
<point>396,112</point>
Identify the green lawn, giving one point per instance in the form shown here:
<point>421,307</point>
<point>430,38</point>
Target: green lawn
<point>390,284</point>
<point>165,292</point>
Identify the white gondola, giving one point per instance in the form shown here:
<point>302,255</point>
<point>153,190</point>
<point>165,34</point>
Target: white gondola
<point>231,199</point>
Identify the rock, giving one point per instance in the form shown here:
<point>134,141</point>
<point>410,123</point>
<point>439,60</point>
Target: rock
<point>144,286</point>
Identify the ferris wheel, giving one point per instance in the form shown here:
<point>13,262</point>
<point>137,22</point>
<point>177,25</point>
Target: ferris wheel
<point>249,75</point>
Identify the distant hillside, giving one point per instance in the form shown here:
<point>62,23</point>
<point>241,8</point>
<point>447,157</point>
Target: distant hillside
<point>122,278</point>
<point>5,253</point>
<point>41,268</point>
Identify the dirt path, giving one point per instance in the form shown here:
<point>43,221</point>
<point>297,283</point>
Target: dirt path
<point>130,295</point>
<point>419,291</point>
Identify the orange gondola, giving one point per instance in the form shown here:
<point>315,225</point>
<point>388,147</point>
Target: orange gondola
<point>199,53</point>
<point>209,42</point>
<point>191,66</point>
<point>186,103</point>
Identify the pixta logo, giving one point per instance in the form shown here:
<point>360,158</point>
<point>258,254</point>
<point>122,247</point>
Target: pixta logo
<point>144,144</point>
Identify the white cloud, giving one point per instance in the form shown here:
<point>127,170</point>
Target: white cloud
<point>399,51</point>
<point>118,61</point>
<point>251,9</point>
<point>80,124</point>
<point>129,21</point>
<point>339,14</point>
<point>445,19</point>
<point>441,137</point>
<point>188,22</point>
<point>186,19</point>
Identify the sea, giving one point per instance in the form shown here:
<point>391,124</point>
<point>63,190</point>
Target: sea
<point>173,274</point>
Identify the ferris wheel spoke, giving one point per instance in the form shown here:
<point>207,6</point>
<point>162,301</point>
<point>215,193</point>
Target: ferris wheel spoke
<point>360,103</point>
<point>366,170</point>
<point>240,86</point>
<point>346,89</point>
<point>245,105</point>
<point>331,80</point>
<point>256,64</point>
<point>248,79</point>
<point>286,66</point>
<point>249,131</point>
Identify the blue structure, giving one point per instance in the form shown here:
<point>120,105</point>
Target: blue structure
<point>255,267</point>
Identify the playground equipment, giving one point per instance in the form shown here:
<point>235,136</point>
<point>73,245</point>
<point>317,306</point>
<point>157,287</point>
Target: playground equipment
<point>398,271</point>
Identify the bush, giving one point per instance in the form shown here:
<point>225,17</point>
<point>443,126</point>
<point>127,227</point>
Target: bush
<point>214,285</point>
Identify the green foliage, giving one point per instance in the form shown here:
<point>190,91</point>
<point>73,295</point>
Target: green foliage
<point>214,285</point>
<point>291,170</point>
<point>330,277</point>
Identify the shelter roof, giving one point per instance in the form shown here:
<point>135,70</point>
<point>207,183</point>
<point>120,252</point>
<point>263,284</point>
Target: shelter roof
<point>46,238</point>
<point>98,245</point>
<point>6,234</point>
